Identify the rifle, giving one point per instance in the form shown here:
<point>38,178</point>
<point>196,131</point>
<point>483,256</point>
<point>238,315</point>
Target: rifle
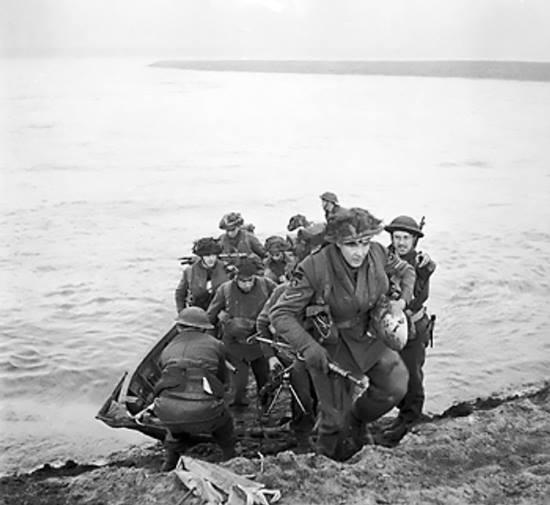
<point>422,222</point>
<point>333,367</point>
<point>225,257</point>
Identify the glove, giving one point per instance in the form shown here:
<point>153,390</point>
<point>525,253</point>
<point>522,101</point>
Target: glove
<point>316,356</point>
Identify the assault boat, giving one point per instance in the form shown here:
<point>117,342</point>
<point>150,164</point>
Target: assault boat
<point>128,404</point>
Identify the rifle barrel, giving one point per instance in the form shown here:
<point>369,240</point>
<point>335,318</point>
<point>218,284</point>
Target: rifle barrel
<point>333,367</point>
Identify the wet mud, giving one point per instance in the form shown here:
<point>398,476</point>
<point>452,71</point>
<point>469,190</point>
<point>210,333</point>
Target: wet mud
<point>493,450</point>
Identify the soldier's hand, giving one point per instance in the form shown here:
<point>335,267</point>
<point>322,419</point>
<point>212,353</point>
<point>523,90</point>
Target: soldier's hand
<point>399,304</point>
<point>274,364</point>
<point>422,259</point>
<point>316,356</point>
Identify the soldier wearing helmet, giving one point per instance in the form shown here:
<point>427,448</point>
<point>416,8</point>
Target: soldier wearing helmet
<point>277,258</point>
<point>329,202</point>
<point>295,224</point>
<point>236,305</point>
<point>405,233</point>
<point>236,239</point>
<point>201,279</point>
<point>189,397</point>
<point>344,281</point>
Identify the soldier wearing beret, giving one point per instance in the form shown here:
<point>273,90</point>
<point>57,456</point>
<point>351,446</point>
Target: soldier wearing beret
<point>345,280</point>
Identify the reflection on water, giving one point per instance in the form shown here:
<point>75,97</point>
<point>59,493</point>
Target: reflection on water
<point>109,174</point>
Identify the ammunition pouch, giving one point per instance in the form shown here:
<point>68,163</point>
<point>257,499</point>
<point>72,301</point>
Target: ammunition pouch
<point>421,326</point>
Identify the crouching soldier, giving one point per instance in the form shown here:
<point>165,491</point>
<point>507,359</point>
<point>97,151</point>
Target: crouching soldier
<point>345,280</point>
<point>237,304</point>
<point>189,395</point>
<point>405,233</point>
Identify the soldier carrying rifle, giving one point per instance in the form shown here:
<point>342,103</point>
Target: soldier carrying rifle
<point>341,286</point>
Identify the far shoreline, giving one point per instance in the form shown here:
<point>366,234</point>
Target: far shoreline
<point>469,69</point>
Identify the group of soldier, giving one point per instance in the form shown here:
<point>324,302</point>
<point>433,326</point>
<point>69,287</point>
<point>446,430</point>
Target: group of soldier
<point>307,306</point>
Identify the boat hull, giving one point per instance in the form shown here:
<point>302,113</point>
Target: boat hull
<point>135,392</point>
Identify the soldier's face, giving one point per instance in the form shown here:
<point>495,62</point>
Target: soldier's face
<point>327,206</point>
<point>233,232</point>
<point>355,252</point>
<point>209,261</point>
<point>276,255</point>
<point>402,241</point>
<point>245,284</point>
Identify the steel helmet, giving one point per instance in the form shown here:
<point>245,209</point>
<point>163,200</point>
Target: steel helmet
<point>231,221</point>
<point>194,317</point>
<point>404,223</point>
<point>329,196</point>
<point>297,221</point>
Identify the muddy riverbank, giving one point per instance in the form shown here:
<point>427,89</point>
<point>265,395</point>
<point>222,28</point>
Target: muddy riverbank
<point>494,450</point>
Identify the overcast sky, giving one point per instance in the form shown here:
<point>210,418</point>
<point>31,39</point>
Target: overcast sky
<point>364,29</point>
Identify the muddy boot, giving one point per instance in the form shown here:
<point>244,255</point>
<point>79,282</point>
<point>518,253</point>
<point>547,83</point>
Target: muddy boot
<point>171,458</point>
<point>228,452</point>
<point>346,449</point>
<point>302,443</point>
<point>397,430</point>
<point>224,436</point>
<point>357,431</point>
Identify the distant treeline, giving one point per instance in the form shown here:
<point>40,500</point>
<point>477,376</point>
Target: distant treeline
<point>511,70</point>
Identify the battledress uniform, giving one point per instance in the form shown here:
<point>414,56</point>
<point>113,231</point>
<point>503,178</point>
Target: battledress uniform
<point>238,323</point>
<point>350,293</point>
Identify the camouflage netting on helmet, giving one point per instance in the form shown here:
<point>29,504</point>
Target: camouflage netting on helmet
<point>276,244</point>
<point>352,224</point>
<point>231,221</point>
<point>297,221</point>
<point>206,246</point>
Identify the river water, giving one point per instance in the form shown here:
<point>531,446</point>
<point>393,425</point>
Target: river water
<point>110,168</point>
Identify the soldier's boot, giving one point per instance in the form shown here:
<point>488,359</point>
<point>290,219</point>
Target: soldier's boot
<point>174,446</point>
<point>225,437</point>
<point>302,442</point>
<point>171,457</point>
<point>397,430</point>
<point>357,431</point>
<point>228,452</point>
